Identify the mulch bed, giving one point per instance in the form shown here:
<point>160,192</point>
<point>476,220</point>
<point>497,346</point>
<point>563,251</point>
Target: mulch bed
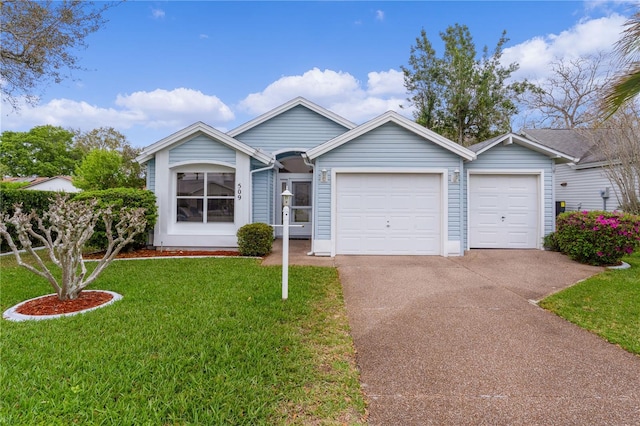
<point>164,253</point>
<point>51,305</point>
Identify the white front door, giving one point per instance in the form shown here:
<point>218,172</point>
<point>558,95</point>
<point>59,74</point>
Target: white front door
<point>504,211</point>
<point>389,214</point>
<point>300,215</point>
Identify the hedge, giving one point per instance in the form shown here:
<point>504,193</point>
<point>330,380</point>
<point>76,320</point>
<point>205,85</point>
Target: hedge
<point>118,198</point>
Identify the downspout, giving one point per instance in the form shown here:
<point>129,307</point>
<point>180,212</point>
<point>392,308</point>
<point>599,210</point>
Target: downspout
<point>306,161</point>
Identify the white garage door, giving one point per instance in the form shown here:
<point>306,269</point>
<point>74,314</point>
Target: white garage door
<point>503,211</point>
<point>388,214</point>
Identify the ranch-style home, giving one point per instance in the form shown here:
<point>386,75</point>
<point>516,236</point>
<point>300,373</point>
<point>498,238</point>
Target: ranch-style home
<point>385,187</point>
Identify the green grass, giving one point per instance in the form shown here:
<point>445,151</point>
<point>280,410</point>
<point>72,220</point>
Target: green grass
<point>194,341</point>
<point>607,304</point>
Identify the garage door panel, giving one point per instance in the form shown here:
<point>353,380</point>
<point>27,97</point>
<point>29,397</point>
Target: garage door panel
<point>400,212</point>
<point>503,211</point>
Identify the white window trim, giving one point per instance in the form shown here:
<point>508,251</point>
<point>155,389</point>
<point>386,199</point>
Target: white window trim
<point>198,228</point>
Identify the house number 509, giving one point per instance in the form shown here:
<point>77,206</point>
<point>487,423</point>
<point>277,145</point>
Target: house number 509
<point>239,192</point>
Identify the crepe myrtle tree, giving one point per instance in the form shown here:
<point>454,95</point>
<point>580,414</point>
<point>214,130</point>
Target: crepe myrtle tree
<point>63,230</point>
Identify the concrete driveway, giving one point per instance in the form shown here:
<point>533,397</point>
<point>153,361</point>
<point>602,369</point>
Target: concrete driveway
<point>453,341</point>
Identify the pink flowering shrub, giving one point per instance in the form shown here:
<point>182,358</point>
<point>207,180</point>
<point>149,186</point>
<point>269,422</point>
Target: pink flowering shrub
<point>597,237</point>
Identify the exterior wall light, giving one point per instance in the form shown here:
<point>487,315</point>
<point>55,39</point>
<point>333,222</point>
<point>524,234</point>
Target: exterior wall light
<point>455,177</point>
<point>324,176</point>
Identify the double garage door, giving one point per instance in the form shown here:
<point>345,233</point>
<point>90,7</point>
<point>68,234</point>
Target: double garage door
<point>504,211</point>
<point>402,213</point>
<point>388,213</point>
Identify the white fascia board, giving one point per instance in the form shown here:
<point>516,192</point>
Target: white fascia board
<point>199,127</point>
<point>593,165</point>
<point>391,116</point>
<point>287,106</point>
<point>510,138</point>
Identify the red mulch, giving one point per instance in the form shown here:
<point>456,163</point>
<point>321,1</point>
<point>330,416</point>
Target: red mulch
<point>164,253</point>
<point>51,305</point>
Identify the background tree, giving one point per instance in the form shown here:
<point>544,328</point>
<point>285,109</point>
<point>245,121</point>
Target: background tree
<point>618,138</point>
<point>627,85</point>
<point>100,169</point>
<point>458,95</point>
<point>129,174</point>
<point>566,99</point>
<point>38,40</point>
<point>42,151</point>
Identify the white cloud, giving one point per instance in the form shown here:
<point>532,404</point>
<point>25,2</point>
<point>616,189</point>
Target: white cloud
<point>379,15</point>
<point>386,83</point>
<point>339,92</point>
<point>168,110</point>
<point>157,13</point>
<point>324,87</point>
<point>588,37</point>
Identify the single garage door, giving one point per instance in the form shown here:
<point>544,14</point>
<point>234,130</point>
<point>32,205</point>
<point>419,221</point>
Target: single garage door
<point>503,211</point>
<point>388,214</point>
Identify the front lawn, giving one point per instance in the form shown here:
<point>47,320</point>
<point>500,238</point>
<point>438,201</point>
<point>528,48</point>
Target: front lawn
<point>194,341</point>
<point>607,304</point>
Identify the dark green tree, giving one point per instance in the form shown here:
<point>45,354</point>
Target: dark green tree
<point>460,96</point>
<point>42,151</point>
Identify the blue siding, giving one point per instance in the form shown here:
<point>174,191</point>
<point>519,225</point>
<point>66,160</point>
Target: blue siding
<point>151,174</point>
<point>202,148</point>
<point>298,127</point>
<point>516,157</point>
<point>374,150</point>
<point>262,194</point>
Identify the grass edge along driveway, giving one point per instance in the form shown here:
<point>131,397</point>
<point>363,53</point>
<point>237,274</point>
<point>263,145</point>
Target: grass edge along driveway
<point>607,304</point>
<point>194,341</point>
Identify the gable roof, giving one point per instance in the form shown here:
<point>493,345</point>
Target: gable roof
<point>390,117</point>
<point>299,101</point>
<point>509,138</point>
<point>579,143</point>
<point>202,128</point>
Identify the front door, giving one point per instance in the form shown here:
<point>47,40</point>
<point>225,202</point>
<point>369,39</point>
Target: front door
<point>300,186</point>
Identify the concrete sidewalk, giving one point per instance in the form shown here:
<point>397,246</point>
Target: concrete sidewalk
<point>453,341</point>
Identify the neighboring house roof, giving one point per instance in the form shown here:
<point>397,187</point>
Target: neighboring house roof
<point>299,101</point>
<point>509,138</point>
<point>579,143</point>
<point>196,128</point>
<point>390,117</point>
<point>49,182</point>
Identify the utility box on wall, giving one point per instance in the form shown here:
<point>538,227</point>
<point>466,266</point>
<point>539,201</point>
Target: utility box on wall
<point>560,207</point>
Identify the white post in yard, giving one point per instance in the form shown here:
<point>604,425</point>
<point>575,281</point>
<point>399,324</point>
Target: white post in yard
<point>286,200</point>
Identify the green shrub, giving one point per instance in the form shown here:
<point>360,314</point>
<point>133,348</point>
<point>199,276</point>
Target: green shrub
<point>597,237</point>
<point>550,242</point>
<point>255,239</point>
<point>30,200</point>
<point>118,198</point>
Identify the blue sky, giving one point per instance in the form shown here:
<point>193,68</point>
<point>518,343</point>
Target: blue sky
<point>159,66</point>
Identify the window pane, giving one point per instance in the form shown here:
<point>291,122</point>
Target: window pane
<point>301,193</point>
<point>189,210</point>
<point>220,210</point>
<point>301,215</point>
<point>221,184</point>
<point>190,184</point>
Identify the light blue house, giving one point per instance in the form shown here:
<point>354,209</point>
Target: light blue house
<point>385,187</point>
